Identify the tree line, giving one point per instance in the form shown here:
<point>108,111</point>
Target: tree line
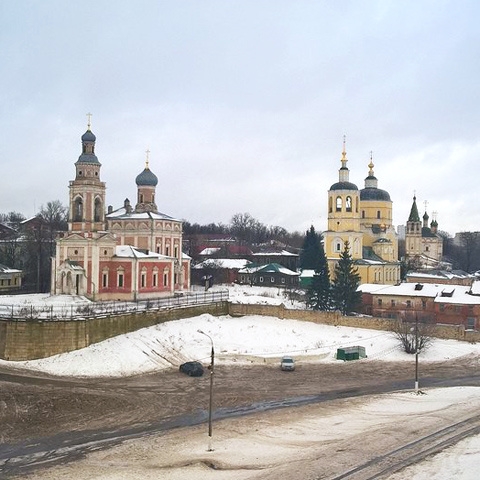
<point>247,230</point>
<point>29,244</point>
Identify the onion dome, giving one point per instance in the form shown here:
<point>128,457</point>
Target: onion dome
<point>88,136</point>
<point>146,179</point>
<point>88,148</point>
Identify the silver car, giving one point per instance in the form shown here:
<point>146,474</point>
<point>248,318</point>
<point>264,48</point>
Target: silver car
<point>287,364</point>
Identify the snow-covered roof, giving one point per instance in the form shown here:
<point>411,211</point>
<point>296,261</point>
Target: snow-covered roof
<point>122,214</point>
<point>475,288</point>
<point>439,274</point>
<point>127,251</point>
<point>210,251</point>
<point>403,289</point>
<point>5,269</point>
<point>270,268</point>
<point>307,273</point>
<point>230,263</point>
<point>441,293</point>
<point>282,253</point>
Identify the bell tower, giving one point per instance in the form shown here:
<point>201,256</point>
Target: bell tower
<point>87,193</point>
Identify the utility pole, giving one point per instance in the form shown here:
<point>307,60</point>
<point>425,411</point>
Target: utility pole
<point>210,404</point>
<point>416,353</point>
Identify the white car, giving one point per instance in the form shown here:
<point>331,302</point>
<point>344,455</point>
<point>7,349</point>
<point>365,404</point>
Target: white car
<point>287,364</point>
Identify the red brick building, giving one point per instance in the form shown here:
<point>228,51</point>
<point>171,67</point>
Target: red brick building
<point>436,303</point>
<point>124,254</point>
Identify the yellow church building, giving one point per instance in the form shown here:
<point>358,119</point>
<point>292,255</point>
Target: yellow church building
<point>363,218</point>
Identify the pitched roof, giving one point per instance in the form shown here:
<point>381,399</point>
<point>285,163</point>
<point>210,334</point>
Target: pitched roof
<point>269,268</point>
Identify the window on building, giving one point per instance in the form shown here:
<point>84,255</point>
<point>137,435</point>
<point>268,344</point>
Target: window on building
<point>427,248</point>
<point>379,302</point>
<point>105,279</point>
<point>338,247</point>
<point>78,210</point>
<point>154,279</point>
<point>261,279</point>
<point>348,204</point>
<point>470,323</point>
<point>175,251</point>
<point>283,280</point>
<point>143,279</point>
<point>175,278</point>
<point>441,307</point>
<point>165,279</point>
<point>330,208</point>
<point>378,214</point>
<point>167,250</point>
<point>272,279</point>
<point>409,304</point>
<point>363,213</point>
<point>339,204</point>
<point>393,303</point>
<point>424,304</point>
<point>97,215</point>
<point>120,279</point>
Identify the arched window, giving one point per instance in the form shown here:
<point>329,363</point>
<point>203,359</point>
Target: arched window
<point>378,213</point>
<point>330,205</point>
<point>339,204</point>
<point>348,204</point>
<point>363,213</point>
<point>98,210</point>
<point>78,210</point>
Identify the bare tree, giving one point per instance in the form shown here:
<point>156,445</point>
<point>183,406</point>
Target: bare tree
<point>413,336</point>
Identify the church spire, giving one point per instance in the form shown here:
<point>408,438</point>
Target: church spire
<point>371,181</point>
<point>344,173</point>
<point>414,216</point>
<point>147,152</point>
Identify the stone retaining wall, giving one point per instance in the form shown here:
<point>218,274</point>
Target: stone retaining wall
<point>28,340</point>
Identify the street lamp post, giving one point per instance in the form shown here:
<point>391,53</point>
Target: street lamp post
<point>210,404</point>
<point>416,353</point>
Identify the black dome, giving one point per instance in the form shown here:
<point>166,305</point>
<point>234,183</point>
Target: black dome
<point>343,186</point>
<point>374,194</point>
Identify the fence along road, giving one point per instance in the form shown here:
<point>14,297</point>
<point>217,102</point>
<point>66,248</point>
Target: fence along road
<point>87,309</point>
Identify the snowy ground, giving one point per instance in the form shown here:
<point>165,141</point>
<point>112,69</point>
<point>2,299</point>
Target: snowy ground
<point>262,339</point>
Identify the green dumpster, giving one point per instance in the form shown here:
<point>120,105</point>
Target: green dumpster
<point>351,353</point>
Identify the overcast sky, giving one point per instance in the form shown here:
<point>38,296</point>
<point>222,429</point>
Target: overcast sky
<point>244,104</point>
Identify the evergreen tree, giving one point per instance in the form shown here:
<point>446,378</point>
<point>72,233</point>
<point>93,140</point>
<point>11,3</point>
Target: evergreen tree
<point>313,257</point>
<point>311,249</point>
<point>344,286</point>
